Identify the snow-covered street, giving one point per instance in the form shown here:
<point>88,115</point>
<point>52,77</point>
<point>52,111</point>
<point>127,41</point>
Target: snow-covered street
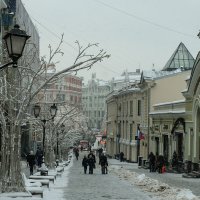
<point>126,181</point>
<point>97,186</point>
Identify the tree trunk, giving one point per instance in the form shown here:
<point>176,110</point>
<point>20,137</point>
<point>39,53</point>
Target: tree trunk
<point>11,179</point>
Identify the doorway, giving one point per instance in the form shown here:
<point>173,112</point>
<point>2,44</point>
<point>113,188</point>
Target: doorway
<point>179,138</point>
<point>165,147</point>
<point>157,145</point>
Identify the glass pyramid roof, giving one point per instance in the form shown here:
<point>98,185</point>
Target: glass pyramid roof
<point>181,58</point>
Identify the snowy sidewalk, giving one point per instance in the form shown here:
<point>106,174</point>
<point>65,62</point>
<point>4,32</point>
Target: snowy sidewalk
<point>54,192</point>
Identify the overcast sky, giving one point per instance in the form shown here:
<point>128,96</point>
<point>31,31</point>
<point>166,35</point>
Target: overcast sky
<point>137,33</point>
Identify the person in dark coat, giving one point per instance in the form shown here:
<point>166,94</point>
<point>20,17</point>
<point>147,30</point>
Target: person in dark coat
<point>152,160</point>
<point>121,156</point>
<point>31,161</point>
<point>39,157</point>
<point>93,156</point>
<point>104,163</point>
<point>81,148</point>
<point>91,163</point>
<point>85,164</point>
<point>77,154</point>
<point>160,162</point>
<point>100,151</point>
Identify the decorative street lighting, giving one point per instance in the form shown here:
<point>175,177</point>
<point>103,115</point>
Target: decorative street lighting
<point>15,41</point>
<point>62,128</point>
<point>53,111</point>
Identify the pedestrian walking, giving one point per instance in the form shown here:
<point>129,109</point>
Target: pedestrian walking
<point>85,164</point>
<point>91,162</point>
<point>93,156</point>
<point>152,160</point>
<point>77,154</point>
<point>121,156</point>
<point>81,148</point>
<point>100,151</point>
<point>31,161</point>
<point>39,157</point>
<point>104,163</point>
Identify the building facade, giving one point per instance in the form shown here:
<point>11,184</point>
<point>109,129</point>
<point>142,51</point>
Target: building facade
<point>67,89</point>
<point>192,130</point>
<point>93,101</point>
<point>13,12</point>
<point>161,126</point>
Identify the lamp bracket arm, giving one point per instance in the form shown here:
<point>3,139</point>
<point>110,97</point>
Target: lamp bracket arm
<point>6,65</point>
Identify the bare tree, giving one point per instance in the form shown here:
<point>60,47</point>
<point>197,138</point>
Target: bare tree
<point>18,91</point>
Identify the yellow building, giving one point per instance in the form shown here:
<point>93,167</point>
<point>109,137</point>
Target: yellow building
<point>151,115</point>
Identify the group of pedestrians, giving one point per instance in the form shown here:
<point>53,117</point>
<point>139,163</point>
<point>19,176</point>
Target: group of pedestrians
<point>34,159</point>
<point>90,161</point>
<point>156,163</point>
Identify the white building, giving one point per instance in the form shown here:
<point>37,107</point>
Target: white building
<point>93,101</point>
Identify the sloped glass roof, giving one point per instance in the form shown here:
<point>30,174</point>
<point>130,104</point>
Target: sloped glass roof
<point>181,58</point>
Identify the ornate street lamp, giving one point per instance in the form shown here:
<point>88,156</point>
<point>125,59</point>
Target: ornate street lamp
<point>53,112</point>
<point>15,41</point>
<point>36,110</point>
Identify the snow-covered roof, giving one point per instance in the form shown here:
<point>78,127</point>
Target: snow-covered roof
<point>167,112</point>
<point>152,74</point>
<point>167,103</point>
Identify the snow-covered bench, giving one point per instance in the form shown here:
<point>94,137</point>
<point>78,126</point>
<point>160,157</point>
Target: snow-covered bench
<point>30,182</point>
<point>65,163</point>
<point>50,178</point>
<point>50,173</point>
<point>60,168</point>
<point>35,190</point>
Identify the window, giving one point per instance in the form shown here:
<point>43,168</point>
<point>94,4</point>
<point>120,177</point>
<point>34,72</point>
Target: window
<point>60,97</point>
<point>75,99</point>
<point>127,108</point>
<point>139,107</point>
<point>131,132</point>
<point>131,107</point>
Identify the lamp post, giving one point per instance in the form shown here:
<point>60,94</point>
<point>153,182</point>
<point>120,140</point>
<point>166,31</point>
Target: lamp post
<point>53,111</point>
<point>15,41</point>
<point>62,128</point>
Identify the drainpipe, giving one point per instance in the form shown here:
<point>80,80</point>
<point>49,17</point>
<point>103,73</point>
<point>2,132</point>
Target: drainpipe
<point>116,128</point>
<point>148,120</point>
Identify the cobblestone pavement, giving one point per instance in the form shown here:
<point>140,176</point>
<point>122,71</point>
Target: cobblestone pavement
<point>99,187</point>
<point>172,179</point>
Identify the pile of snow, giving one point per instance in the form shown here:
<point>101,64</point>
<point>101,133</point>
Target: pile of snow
<point>160,190</point>
<point>186,194</point>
